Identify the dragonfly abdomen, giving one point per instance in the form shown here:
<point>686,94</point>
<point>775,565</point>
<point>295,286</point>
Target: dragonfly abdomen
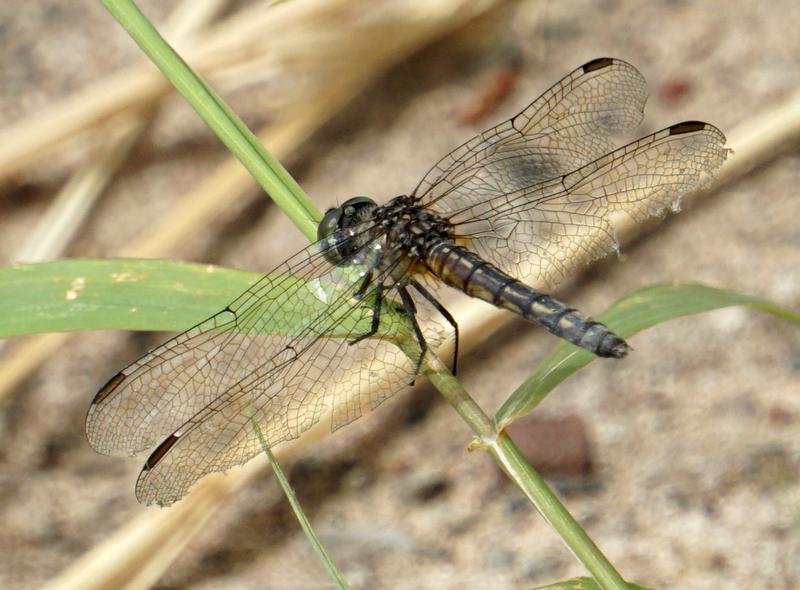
<point>462,269</point>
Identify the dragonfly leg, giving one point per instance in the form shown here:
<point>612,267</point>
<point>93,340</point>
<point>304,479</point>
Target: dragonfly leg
<point>445,314</point>
<point>362,288</point>
<point>411,312</point>
<point>376,314</point>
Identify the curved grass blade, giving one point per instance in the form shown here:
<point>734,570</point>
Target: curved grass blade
<point>633,313</point>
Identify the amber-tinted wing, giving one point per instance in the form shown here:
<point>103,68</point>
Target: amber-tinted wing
<point>568,126</point>
<point>543,231</point>
<point>196,393</point>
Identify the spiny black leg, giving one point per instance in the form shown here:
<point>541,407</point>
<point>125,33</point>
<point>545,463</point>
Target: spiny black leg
<point>445,314</point>
<point>411,312</point>
<point>376,315</point>
<point>362,288</point>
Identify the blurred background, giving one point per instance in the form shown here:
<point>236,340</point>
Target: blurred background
<point>683,461</point>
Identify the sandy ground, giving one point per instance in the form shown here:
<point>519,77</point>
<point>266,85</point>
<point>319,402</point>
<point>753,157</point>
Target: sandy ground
<point>694,438</point>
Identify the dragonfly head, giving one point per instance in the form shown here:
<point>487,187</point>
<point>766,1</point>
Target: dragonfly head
<point>335,229</point>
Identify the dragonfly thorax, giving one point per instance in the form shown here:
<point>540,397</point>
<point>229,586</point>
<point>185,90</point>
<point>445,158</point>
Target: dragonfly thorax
<point>410,226</point>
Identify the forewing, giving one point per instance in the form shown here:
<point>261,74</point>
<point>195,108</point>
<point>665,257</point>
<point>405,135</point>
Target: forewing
<point>156,394</point>
<point>568,126</point>
<point>543,231</point>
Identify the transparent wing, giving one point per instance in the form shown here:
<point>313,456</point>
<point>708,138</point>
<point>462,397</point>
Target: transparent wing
<point>568,126</point>
<point>543,231</point>
<point>157,393</point>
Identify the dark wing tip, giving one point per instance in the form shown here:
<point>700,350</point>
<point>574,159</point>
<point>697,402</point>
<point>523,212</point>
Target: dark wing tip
<point>159,452</point>
<point>108,388</point>
<point>688,127</point>
<point>597,64</point>
<point>146,491</point>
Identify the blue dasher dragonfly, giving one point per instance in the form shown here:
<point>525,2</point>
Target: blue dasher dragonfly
<point>521,201</point>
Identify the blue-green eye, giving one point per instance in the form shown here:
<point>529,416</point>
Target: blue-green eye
<point>329,223</point>
<point>332,232</point>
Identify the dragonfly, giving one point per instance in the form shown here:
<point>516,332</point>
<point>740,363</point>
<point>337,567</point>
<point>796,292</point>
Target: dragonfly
<point>327,333</point>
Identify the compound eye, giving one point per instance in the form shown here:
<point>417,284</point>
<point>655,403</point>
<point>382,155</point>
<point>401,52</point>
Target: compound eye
<point>330,223</point>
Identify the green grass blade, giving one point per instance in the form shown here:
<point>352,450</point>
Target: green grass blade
<point>125,294</point>
<point>130,294</point>
<point>633,313</point>
<point>269,173</point>
<point>305,524</point>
